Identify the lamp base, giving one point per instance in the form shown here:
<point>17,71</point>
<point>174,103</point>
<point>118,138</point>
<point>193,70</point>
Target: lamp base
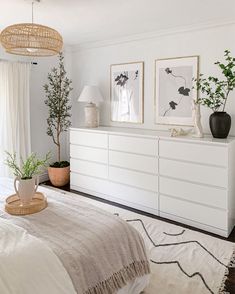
<point>91,116</point>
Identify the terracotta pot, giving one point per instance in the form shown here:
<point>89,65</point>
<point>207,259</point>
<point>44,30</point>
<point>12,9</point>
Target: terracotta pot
<point>59,176</point>
<point>26,189</point>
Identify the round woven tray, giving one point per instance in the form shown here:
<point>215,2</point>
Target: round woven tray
<point>14,206</point>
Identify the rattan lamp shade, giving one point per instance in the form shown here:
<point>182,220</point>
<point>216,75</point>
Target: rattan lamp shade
<point>31,39</point>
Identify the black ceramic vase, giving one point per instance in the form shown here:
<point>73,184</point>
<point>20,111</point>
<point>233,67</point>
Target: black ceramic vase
<point>220,124</point>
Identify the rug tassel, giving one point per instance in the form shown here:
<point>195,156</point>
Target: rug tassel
<point>231,264</point>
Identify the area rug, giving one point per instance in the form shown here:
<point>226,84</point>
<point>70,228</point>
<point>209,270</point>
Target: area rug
<point>183,261</point>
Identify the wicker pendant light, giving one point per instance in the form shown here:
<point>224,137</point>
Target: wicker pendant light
<point>31,39</point>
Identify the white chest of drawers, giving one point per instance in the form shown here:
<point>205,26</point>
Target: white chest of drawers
<point>188,180</point>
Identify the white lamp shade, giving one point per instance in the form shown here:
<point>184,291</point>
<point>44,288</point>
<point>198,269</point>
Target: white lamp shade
<point>90,94</point>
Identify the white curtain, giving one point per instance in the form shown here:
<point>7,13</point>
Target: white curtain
<point>14,111</point>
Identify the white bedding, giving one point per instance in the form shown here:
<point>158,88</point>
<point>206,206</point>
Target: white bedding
<point>28,266</point>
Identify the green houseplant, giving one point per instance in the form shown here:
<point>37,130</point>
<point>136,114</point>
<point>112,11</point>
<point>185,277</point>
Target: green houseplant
<point>57,100</point>
<point>215,93</point>
<point>26,174</point>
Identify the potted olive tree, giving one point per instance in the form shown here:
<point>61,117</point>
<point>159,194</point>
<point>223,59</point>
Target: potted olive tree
<point>57,99</point>
<point>216,93</point>
<point>26,174</point>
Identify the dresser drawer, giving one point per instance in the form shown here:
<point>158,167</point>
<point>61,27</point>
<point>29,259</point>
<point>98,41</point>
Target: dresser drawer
<point>132,195</point>
<point>132,161</point>
<point>209,175</point>
<point>90,183</point>
<point>89,153</point>
<point>206,215</point>
<point>133,145</point>
<point>89,168</point>
<point>89,139</point>
<point>123,194</point>
<point>207,154</point>
<point>132,178</point>
<point>194,192</point>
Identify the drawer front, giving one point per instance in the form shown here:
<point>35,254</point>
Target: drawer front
<point>209,175</point>
<point>136,179</point>
<point>124,193</point>
<point>207,154</point>
<point>133,145</point>
<point>195,212</point>
<point>132,161</point>
<point>89,183</point>
<point>89,139</point>
<point>194,192</point>
<point>89,168</point>
<point>89,153</point>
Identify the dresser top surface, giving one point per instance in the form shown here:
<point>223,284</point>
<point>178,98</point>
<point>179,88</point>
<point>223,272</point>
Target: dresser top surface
<point>153,134</point>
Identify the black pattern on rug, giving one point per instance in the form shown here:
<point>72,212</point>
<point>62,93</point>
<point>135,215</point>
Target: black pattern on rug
<point>175,261</point>
<point>184,272</point>
<point>174,235</point>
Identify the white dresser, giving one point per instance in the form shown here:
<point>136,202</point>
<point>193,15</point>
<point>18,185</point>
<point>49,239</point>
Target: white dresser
<point>184,179</point>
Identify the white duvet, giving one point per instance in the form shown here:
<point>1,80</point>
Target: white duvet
<point>28,266</point>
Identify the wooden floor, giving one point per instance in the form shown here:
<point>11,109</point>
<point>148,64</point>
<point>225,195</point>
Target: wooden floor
<point>230,283</point>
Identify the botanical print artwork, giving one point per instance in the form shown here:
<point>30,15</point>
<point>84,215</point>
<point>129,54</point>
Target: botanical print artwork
<point>127,92</point>
<point>174,93</point>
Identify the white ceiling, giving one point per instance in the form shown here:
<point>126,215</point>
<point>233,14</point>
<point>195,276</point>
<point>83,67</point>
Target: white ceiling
<point>82,21</point>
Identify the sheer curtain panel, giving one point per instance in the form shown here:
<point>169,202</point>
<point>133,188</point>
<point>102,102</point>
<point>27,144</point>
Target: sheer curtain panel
<point>14,111</point>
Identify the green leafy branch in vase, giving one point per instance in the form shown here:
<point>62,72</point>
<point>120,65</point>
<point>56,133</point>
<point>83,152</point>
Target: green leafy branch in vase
<point>217,91</point>
<point>27,169</point>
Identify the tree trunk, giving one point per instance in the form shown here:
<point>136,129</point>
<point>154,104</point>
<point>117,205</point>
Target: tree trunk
<point>58,152</point>
<point>58,144</point>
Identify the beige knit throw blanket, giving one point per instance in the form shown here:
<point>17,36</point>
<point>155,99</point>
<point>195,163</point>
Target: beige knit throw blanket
<point>101,252</point>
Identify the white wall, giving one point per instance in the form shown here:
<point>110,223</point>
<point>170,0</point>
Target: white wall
<point>92,66</point>
<point>41,143</point>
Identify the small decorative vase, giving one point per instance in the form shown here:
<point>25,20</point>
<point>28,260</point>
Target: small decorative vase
<point>26,189</point>
<point>220,124</point>
<point>196,112</point>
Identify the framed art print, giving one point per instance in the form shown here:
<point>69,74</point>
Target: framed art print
<point>126,87</point>
<point>173,90</point>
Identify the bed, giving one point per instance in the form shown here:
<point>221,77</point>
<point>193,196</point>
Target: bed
<point>70,247</point>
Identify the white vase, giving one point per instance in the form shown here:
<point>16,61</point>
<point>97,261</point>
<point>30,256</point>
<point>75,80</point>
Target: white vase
<point>26,189</point>
<point>196,113</point>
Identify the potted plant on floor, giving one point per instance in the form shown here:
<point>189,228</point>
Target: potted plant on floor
<point>216,93</point>
<point>57,99</point>
<point>26,174</point>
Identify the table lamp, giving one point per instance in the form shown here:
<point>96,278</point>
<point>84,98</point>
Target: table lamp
<point>91,95</point>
